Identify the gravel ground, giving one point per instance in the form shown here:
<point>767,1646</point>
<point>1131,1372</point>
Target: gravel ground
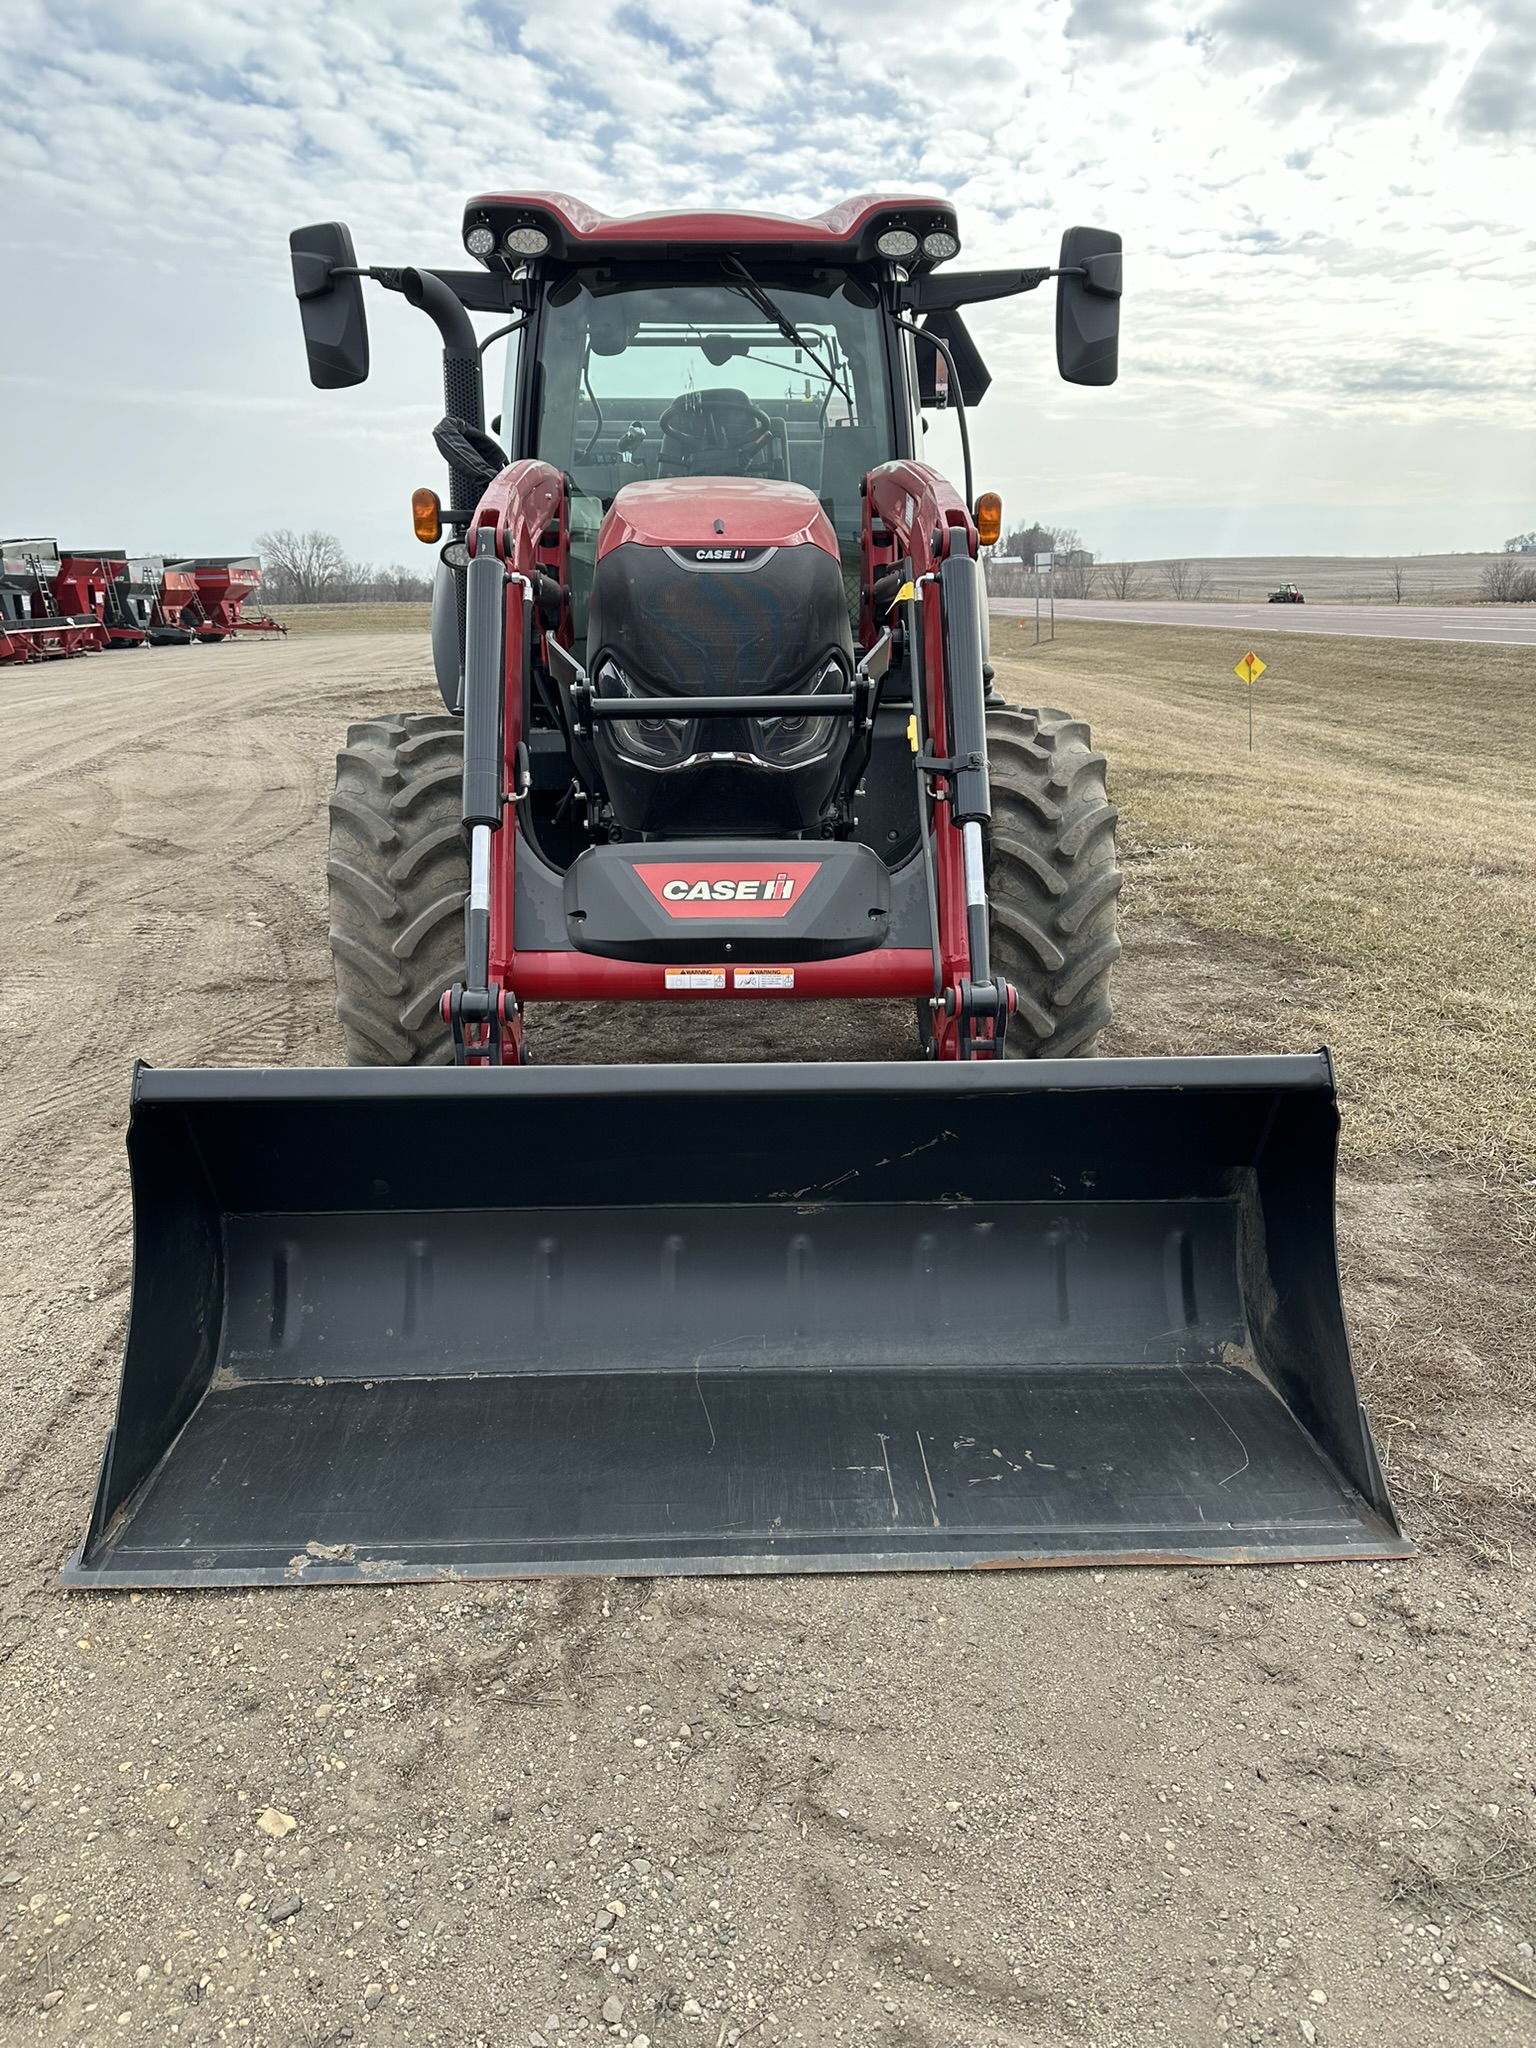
<point>1000,1811</point>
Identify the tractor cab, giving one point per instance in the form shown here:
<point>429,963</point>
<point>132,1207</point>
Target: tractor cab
<point>714,423</point>
<point>789,374</point>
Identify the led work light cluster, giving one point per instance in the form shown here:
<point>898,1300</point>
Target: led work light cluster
<point>525,241</point>
<point>902,245</point>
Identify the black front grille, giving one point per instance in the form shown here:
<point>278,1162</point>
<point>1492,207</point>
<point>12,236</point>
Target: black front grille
<point>678,627</point>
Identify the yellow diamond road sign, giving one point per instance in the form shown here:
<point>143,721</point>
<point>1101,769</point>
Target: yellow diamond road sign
<point>1250,668</point>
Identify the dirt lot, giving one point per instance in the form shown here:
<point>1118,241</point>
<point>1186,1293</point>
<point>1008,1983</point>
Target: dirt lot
<point>1008,1811</point>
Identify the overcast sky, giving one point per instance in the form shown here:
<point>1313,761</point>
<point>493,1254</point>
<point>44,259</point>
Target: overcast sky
<point>1329,213</point>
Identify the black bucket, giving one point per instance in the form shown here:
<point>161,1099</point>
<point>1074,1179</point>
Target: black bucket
<point>499,1321</point>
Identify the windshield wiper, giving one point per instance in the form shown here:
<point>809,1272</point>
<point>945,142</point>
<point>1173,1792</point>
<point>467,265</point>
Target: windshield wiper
<point>754,294</point>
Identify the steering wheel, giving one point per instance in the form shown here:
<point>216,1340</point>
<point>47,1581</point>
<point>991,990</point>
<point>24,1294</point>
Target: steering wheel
<point>708,428</point>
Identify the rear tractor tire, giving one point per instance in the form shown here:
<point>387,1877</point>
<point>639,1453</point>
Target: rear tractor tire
<point>1052,880</point>
<point>398,873</point>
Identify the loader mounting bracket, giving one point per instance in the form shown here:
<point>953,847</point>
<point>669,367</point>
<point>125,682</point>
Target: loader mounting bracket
<point>477,1018</point>
<point>981,1003</point>
<point>949,764</point>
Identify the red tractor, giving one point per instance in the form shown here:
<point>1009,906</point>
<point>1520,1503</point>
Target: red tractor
<point>715,723</point>
<point>713,645</point>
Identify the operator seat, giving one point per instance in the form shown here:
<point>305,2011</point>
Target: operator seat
<point>718,432</point>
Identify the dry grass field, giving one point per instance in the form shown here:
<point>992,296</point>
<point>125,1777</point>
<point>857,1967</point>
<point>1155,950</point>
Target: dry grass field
<point>1383,829</point>
<point>1325,579</point>
<point>309,619</point>
<point>1078,1809</point>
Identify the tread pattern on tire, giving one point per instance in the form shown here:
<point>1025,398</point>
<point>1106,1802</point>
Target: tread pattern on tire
<point>1053,880</point>
<point>398,874</point>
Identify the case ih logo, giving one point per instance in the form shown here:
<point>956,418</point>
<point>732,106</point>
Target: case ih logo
<point>725,889</point>
<point>719,554</point>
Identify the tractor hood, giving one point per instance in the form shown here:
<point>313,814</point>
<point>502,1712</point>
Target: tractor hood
<point>718,587</point>
<point>716,518</point>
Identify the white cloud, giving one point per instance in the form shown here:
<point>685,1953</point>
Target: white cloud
<point>1326,213</point>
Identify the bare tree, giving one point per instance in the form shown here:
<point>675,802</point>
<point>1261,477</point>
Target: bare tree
<point>1074,575</point>
<point>1186,579</point>
<point>313,568</point>
<point>1521,543</point>
<point>1508,582</point>
<point>1123,578</point>
<point>395,585</point>
<point>1396,577</point>
<point>301,568</point>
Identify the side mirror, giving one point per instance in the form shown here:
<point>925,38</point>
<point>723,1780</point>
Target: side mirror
<point>1088,307</point>
<point>331,307</point>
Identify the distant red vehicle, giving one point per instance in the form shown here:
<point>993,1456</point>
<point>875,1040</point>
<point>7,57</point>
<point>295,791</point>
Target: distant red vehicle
<point>224,582</point>
<point>1286,594</point>
<point>33,624</point>
<point>117,588</point>
<point>174,620</point>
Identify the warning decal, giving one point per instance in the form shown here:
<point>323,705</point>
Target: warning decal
<point>695,977</point>
<point>763,977</point>
<point>726,888</point>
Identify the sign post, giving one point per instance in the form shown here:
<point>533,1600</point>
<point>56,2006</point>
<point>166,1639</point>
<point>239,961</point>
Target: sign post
<point>1046,562</point>
<point>1248,671</point>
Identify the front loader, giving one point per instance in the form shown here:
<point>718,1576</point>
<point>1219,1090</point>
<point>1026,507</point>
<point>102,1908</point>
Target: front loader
<point>717,723</point>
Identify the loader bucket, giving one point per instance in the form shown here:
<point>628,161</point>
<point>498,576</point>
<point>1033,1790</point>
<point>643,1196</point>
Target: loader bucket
<point>402,1325</point>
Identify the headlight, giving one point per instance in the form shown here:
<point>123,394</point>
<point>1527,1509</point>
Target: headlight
<point>940,246</point>
<point>792,742</point>
<point>480,241</point>
<point>648,742</point>
<point>897,242</point>
<point>525,241</point>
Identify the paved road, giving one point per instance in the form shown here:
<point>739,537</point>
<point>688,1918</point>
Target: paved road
<point>1501,625</point>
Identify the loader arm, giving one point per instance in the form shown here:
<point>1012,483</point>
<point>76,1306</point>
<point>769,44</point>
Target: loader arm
<point>914,511</point>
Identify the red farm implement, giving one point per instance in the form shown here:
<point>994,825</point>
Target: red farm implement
<point>35,625</point>
<point>175,611</point>
<point>223,584</point>
<point>117,588</point>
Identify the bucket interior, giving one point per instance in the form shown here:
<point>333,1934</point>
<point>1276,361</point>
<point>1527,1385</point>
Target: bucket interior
<point>732,1320</point>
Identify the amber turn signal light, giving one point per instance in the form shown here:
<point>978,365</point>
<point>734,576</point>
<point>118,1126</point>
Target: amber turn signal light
<point>427,514</point>
<point>989,519</point>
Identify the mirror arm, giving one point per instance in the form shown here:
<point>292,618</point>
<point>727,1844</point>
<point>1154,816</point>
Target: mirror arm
<point>947,293</point>
<point>1093,279</point>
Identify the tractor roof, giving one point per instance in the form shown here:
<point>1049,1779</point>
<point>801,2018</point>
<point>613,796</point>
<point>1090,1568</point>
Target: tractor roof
<point>849,232</point>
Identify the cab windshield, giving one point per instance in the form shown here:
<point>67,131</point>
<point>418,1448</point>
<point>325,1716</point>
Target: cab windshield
<point>715,378</point>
